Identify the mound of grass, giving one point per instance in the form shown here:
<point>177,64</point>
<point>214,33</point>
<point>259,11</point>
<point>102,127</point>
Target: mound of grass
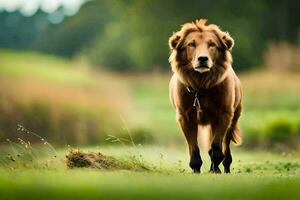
<point>77,159</point>
<point>97,160</point>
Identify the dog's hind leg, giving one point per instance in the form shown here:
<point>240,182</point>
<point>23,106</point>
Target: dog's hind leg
<point>228,158</point>
<point>233,134</point>
<point>219,127</point>
<point>189,126</point>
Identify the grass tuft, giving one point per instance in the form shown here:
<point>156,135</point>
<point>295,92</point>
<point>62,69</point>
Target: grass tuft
<point>97,160</point>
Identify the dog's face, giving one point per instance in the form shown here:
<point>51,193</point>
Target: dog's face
<point>201,50</point>
<point>198,46</point>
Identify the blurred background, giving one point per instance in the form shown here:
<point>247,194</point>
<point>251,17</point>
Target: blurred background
<point>87,72</point>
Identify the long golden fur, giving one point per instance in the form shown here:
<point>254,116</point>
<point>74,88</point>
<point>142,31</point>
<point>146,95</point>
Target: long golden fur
<point>202,64</point>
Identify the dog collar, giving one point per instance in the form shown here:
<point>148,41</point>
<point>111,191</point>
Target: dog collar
<point>196,99</point>
<point>190,89</point>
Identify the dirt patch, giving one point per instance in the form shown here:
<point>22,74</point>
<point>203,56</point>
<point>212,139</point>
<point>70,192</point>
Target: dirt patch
<point>97,160</point>
<point>77,159</point>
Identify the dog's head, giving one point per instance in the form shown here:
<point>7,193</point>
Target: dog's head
<point>199,46</point>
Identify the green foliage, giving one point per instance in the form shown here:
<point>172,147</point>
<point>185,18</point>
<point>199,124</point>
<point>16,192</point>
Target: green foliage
<point>19,32</point>
<point>133,34</point>
<point>136,32</point>
<point>252,137</point>
<point>280,130</point>
<point>111,48</point>
<point>277,132</point>
<point>142,40</point>
<point>75,33</point>
<point>142,136</point>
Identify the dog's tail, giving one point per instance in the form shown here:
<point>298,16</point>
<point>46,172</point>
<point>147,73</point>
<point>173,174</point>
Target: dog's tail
<point>234,132</point>
<point>236,136</point>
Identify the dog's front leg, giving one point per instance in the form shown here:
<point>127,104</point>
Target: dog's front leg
<point>189,126</point>
<point>219,127</point>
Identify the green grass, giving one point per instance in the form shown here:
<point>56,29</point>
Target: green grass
<point>255,175</point>
<point>80,184</point>
<point>45,67</point>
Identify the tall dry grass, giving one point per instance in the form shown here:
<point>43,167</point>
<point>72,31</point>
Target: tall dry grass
<point>283,56</point>
<point>63,101</point>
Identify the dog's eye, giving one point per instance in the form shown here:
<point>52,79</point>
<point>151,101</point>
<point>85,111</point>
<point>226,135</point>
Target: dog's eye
<point>211,44</point>
<point>192,45</point>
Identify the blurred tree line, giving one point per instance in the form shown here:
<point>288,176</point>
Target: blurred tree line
<point>133,34</point>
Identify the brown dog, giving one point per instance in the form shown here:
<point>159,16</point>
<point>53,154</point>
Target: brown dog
<point>205,90</point>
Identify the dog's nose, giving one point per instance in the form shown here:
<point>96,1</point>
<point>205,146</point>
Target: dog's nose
<point>202,58</point>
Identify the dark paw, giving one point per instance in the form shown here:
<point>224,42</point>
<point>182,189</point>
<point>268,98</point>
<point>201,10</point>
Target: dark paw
<point>214,169</point>
<point>196,164</point>
<point>226,170</point>
<point>196,170</point>
<point>226,163</point>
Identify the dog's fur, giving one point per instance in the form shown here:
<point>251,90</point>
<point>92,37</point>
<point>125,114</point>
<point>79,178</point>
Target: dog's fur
<point>216,85</point>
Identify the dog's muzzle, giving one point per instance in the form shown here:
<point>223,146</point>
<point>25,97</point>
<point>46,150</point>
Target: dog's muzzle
<point>202,68</point>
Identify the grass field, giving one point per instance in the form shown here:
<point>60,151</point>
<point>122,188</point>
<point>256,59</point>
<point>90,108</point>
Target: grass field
<point>255,175</point>
<point>69,105</point>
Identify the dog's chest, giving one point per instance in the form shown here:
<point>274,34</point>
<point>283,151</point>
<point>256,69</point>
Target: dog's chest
<point>206,106</point>
<point>203,101</point>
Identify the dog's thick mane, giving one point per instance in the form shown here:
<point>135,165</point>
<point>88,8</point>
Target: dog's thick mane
<point>189,77</point>
<point>185,73</point>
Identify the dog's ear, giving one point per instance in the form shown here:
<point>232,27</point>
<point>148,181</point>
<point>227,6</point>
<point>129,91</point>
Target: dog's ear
<point>174,40</point>
<point>227,40</point>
